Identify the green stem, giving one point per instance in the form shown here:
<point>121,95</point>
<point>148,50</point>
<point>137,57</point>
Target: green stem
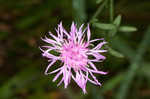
<point>111,10</point>
<point>99,10</point>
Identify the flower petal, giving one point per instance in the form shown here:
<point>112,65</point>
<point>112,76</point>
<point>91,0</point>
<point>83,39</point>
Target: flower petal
<point>88,33</point>
<point>49,67</point>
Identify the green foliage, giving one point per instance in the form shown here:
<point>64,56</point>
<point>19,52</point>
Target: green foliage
<point>24,22</point>
<point>127,29</point>
<point>20,81</point>
<point>104,26</point>
<point>134,66</point>
<point>117,21</point>
<point>115,53</point>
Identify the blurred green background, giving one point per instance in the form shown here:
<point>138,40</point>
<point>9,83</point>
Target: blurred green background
<point>125,24</point>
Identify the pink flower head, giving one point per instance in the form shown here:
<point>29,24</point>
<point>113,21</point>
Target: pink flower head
<point>76,54</point>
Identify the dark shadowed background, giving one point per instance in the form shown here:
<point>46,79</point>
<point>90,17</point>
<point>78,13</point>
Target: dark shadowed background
<point>125,24</point>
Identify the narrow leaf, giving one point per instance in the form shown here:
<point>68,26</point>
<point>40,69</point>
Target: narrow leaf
<point>115,53</point>
<point>127,29</point>
<point>104,26</point>
<point>117,20</point>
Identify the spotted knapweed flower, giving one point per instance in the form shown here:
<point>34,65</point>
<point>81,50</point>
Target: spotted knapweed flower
<point>75,53</point>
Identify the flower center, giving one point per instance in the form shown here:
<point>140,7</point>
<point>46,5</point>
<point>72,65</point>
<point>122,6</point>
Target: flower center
<point>74,55</point>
